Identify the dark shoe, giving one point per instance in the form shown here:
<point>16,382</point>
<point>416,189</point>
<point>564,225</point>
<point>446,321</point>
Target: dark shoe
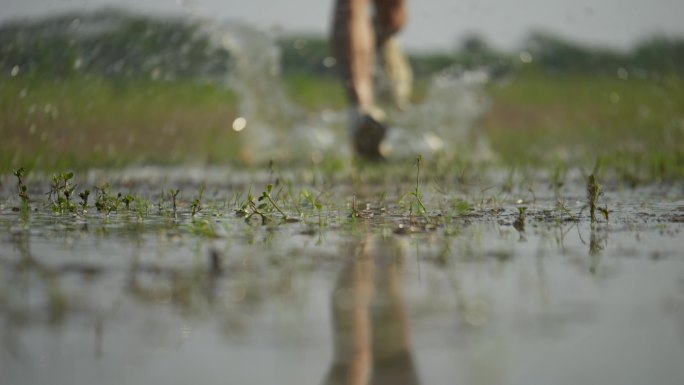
<point>367,136</point>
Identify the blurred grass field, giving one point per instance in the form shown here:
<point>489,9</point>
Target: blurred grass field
<point>635,126</point>
<point>112,88</point>
<point>83,122</point>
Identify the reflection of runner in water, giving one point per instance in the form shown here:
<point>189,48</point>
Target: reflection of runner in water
<point>370,325</point>
<point>356,37</point>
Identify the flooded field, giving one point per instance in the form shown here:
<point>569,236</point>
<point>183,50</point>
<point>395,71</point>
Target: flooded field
<point>353,280</point>
<point>482,252</point>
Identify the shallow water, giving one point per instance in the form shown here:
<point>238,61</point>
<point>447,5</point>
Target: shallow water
<point>123,300</point>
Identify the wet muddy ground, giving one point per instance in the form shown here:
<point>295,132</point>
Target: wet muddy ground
<point>363,286</point>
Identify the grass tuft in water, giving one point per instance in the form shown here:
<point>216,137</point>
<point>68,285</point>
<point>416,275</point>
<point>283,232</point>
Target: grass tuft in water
<point>416,193</point>
<point>61,192</point>
<point>84,200</point>
<point>267,198</point>
<point>142,206</point>
<point>593,194</point>
<point>174,195</point>
<point>127,200</point>
<point>105,201</point>
<point>252,208</point>
<point>21,188</point>
<point>196,205</point>
<point>519,223</point>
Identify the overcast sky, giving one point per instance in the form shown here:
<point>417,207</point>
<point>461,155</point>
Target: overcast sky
<point>433,24</point>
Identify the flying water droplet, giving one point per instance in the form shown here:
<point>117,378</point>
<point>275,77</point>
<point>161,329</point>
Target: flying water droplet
<point>525,57</point>
<point>622,73</point>
<point>239,124</point>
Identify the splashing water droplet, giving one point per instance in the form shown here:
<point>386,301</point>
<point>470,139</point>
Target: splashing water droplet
<point>525,57</point>
<point>329,62</point>
<point>622,73</point>
<point>614,97</point>
<point>155,74</point>
<point>239,124</point>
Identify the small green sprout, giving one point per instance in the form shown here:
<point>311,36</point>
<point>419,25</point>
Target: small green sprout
<point>84,200</point>
<point>417,194</point>
<point>174,194</point>
<point>519,223</point>
<point>266,196</point>
<point>251,208</point>
<point>315,203</point>
<point>593,194</point>
<point>160,203</point>
<point>196,205</point>
<point>563,210</point>
<point>127,200</point>
<point>142,206</point>
<point>104,201</point>
<point>21,187</point>
<point>356,213</point>
<point>61,192</point>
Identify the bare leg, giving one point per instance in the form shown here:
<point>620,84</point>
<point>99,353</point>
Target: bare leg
<point>390,17</point>
<point>356,36</point>
<point>396,77</point>
<point>353,44</point>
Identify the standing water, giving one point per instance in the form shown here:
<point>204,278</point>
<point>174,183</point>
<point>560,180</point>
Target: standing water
<point>163,298</point>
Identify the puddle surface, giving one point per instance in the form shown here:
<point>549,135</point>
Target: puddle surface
<point>123,300</point>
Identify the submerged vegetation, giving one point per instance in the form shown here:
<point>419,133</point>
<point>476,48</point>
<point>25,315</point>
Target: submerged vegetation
<point>379,196</point>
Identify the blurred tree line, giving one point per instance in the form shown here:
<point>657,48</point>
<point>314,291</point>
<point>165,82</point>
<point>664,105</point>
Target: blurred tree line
<point>657,54</point>
<point>110,43</point>
<point>118,44</point>
<point>541,51</point>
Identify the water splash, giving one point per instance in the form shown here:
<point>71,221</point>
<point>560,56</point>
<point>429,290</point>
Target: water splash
<point>275,127</point>
<point>278,129</point>
<point>446,121</point>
